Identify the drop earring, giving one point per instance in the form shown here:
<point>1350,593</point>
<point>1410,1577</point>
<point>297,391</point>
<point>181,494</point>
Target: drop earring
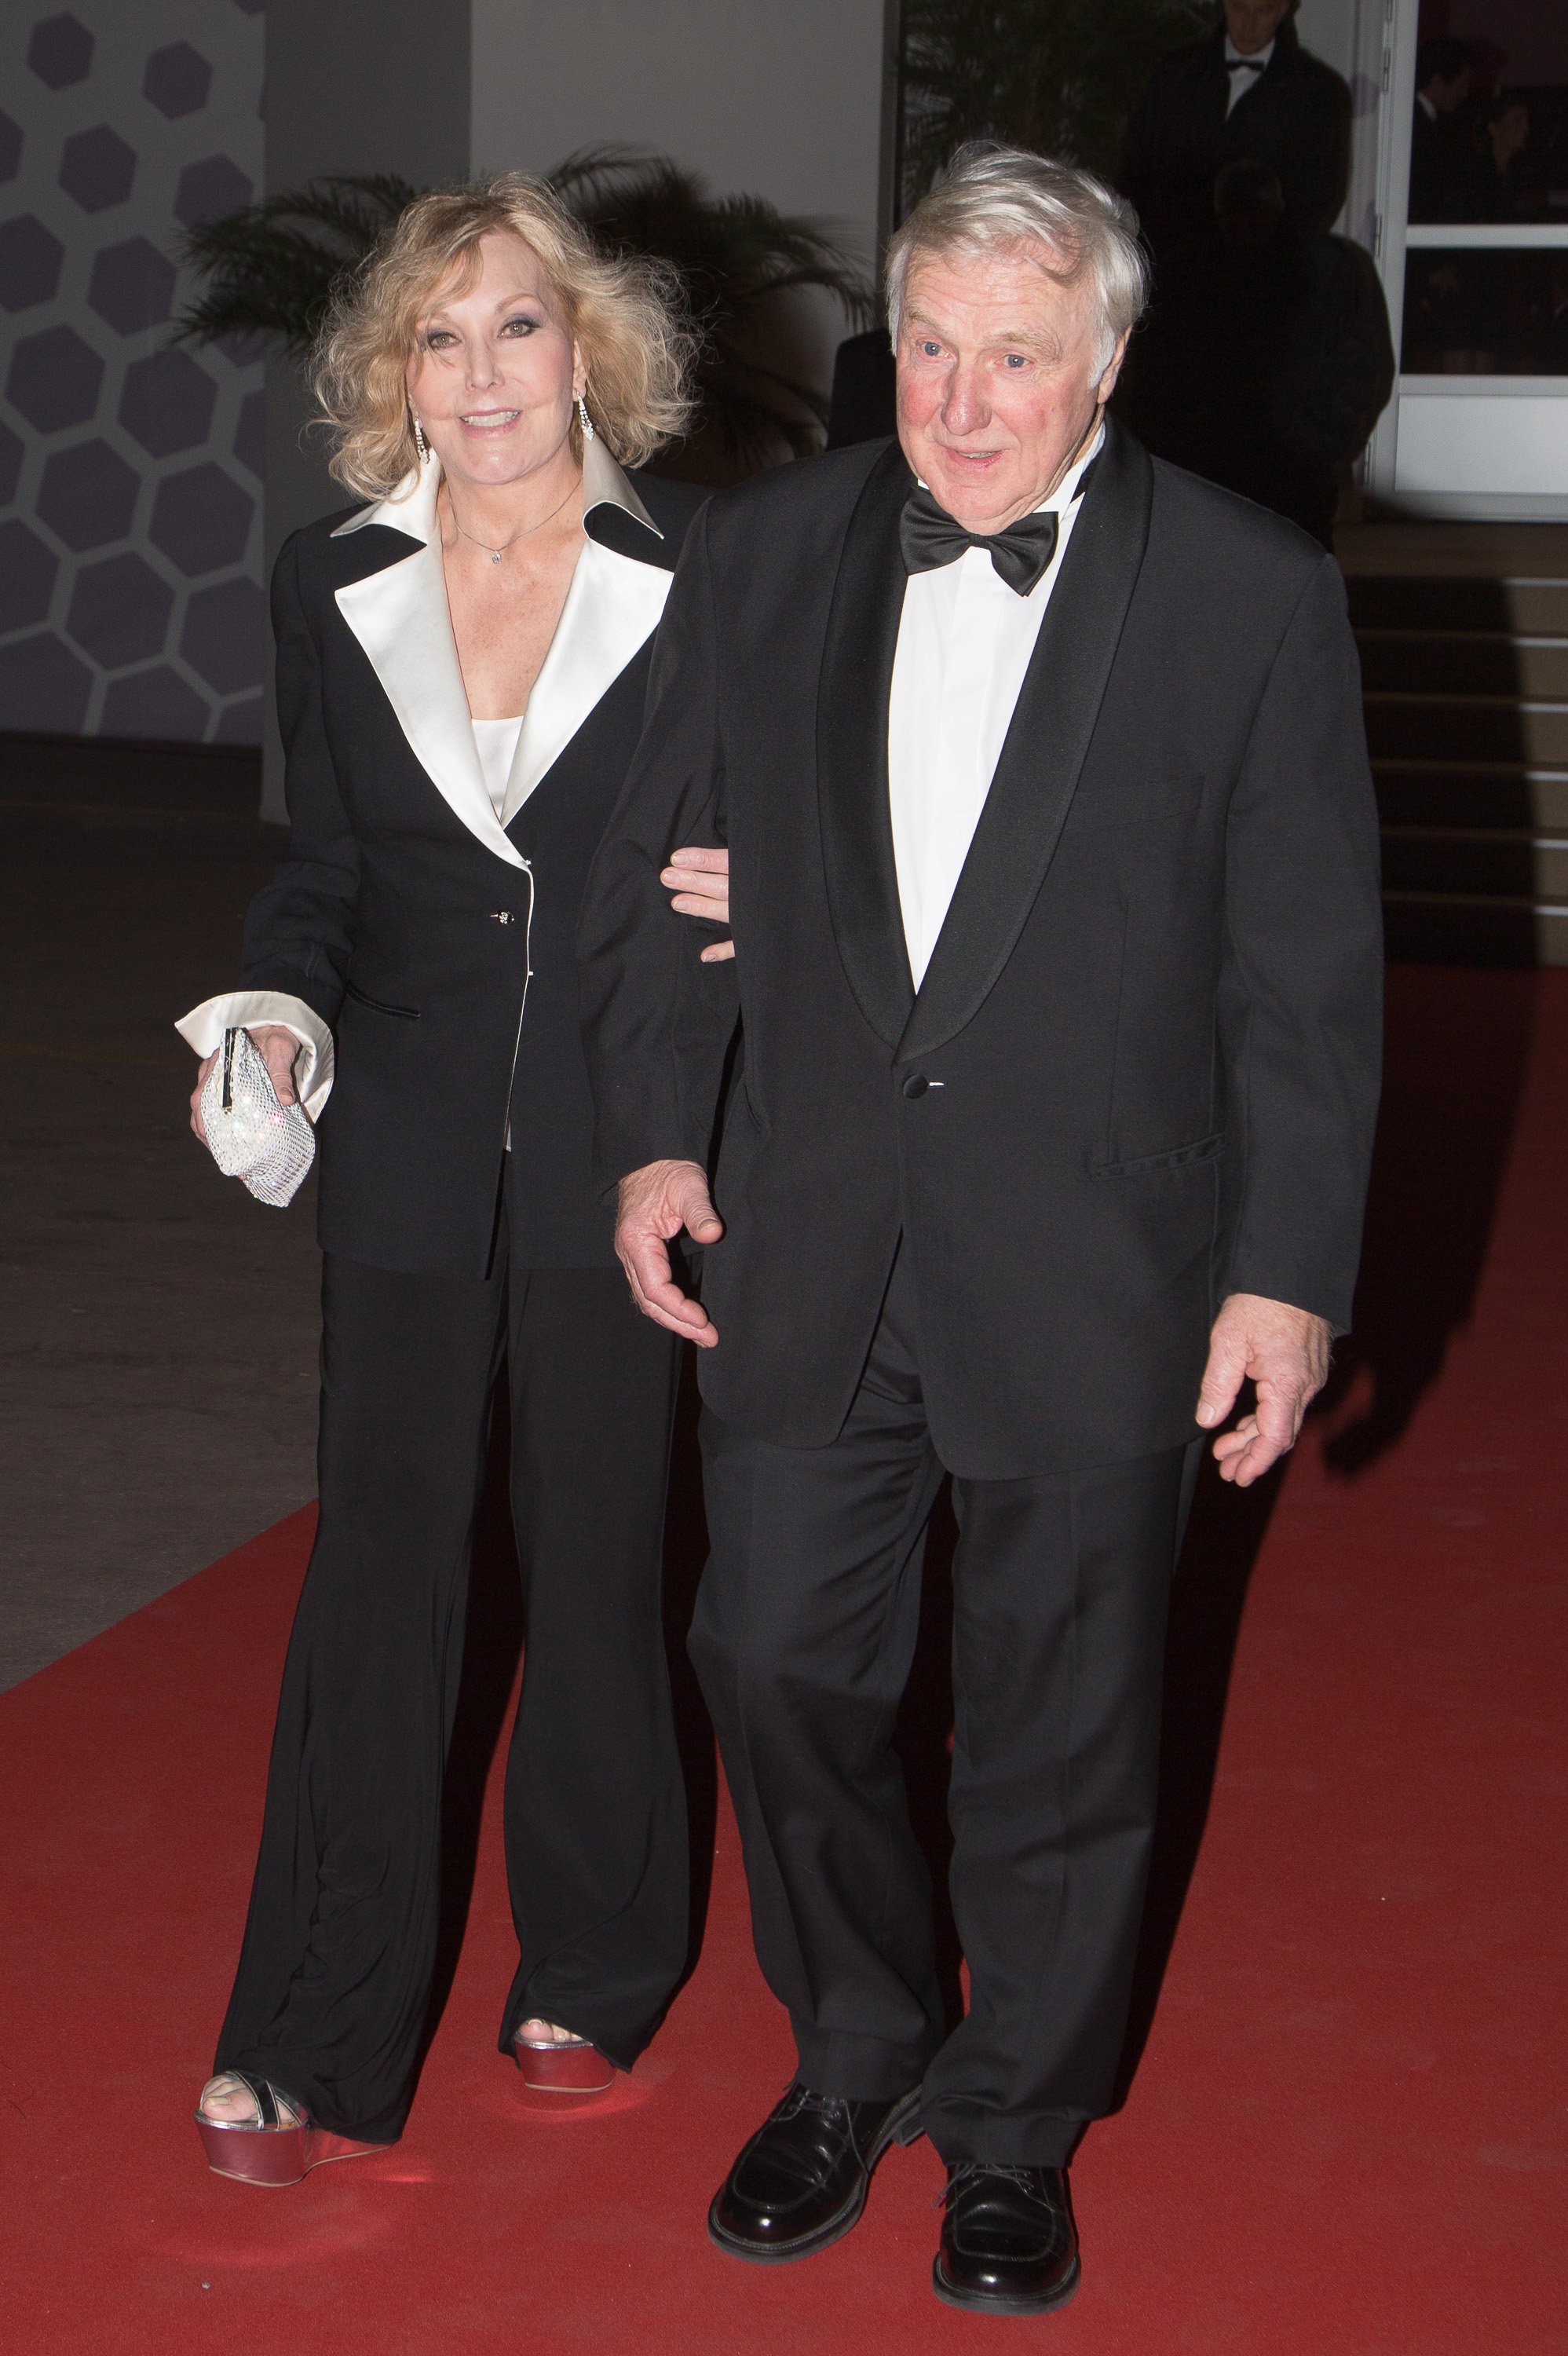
<point>420,444</point>
<point>587,422</point>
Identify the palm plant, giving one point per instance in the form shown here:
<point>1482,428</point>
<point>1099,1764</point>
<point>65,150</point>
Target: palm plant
<point>274,266</point>
<point>738,257</point>
<point>271,269</point>
<point>1057,76</point>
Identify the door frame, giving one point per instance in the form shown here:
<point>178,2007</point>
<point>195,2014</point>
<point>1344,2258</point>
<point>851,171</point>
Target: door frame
<point>1394,29</point>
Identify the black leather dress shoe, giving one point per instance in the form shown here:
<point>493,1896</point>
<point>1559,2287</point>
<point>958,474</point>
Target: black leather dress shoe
<point>802,2180</point>
<point>1009,2243</point>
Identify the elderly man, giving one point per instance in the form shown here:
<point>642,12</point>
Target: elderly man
<point>1055,905</point>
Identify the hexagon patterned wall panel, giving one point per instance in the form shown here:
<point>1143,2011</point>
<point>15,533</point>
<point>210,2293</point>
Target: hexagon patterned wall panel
<point>131,600</point>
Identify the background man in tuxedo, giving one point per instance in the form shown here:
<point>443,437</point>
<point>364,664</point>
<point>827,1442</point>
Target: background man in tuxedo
<point>1266,359</point>
<point>1438,155</point>
<point>1248,91</point>
<point>1054,893</point>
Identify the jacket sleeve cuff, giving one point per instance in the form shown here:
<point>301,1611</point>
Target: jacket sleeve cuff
<point>1293,1290</point>
<point>242,1009</point>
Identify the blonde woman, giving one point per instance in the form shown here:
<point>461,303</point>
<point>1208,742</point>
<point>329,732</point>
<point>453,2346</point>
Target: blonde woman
<point>462,668</point>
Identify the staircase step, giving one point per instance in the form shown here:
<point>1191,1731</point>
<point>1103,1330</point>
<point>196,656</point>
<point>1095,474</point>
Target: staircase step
<point>1448,928</point>
<point>1463,634</point>
<point>1472,793</point>
<point>1449,662</point>
<point>1531,735</point>
<point>1481,862</point>
<point>1528,605</point>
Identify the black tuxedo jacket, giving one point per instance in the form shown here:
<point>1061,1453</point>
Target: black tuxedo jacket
<point>413,937</point>
<point>1296,118</point>
<point>1142,1069</point>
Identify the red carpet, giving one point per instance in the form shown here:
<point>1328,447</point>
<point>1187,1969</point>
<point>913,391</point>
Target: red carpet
<point>1348,2134</point>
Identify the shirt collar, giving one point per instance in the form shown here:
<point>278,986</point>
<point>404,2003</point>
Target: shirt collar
<point>410,509</point>
<point>1066,491</point>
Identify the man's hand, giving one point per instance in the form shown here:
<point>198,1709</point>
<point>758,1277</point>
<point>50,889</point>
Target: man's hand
<point>699,878</point>
<point>280,1050</point>
<point>1285,1353</point>
<point>656,1203</point>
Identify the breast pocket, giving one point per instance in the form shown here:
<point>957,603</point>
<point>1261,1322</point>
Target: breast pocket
<point>1180,1157</point>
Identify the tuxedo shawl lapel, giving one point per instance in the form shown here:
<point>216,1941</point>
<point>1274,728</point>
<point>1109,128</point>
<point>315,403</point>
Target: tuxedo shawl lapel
<point>1044,750</point>
<point>400,617</point>
<point>852,751</point>
<point>1280,65</point>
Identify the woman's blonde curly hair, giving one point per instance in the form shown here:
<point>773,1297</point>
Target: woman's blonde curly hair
<point>626,314</point>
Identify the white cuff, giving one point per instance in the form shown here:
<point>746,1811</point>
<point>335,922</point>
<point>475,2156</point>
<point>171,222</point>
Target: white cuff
<point>244,1009</point>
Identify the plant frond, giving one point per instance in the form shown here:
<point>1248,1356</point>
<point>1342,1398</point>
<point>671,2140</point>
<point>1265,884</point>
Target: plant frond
<point>273,267</point>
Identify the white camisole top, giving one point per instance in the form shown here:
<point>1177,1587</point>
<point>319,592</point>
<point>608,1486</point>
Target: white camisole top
<point>497,745</point>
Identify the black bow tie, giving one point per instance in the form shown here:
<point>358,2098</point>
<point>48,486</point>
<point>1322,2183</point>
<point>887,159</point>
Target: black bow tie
<point>929,537</point>
<point>1243,65</point>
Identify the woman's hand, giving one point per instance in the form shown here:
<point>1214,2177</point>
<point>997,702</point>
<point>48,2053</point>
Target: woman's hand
<point>700,880</point>
<point>279,1048</point>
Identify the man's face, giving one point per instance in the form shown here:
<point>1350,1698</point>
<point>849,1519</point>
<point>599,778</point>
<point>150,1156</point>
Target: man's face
<point>998,382</point>
<point>1252,24</point>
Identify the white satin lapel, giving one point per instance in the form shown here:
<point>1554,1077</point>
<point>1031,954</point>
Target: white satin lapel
<point>605,484</point>
<point>400,617</point>
<point>612,608</point>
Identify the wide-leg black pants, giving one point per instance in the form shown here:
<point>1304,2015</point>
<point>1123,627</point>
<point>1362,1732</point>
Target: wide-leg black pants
<point>334,1975</point>
<point>804,1638</point>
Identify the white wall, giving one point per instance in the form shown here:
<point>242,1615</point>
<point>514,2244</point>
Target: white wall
<point>771,98</point>
<point>130,545</point>
<point>358,86</point>
<point>1327,28</point>
<point>1348,35</point>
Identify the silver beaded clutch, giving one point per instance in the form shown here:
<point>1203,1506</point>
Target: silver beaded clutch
<point>251,1135</point>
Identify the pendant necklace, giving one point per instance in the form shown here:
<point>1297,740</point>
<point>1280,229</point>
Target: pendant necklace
<point>496,554</point>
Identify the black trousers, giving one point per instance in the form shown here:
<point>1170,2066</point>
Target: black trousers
<point>334,1975</point>
<point>803,1639</point>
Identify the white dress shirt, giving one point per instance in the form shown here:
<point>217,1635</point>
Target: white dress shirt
<point>965,643</point>
<point>1241,82</point>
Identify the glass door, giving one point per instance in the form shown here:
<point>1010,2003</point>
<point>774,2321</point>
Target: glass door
<point>1472,207</point>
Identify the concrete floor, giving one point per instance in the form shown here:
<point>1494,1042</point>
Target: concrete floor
<point>157,1326</point>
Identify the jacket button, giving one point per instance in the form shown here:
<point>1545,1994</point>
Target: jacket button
<point>916,1085</point>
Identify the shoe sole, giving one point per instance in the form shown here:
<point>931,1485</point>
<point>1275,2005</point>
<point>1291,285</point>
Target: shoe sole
<point>272,2158</point>
<point>807,2244</point>
<point>981,2302</point>
<point>553,2071</point>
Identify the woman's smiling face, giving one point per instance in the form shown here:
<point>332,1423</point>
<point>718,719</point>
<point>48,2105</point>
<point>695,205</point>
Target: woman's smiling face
<point>495,369</point>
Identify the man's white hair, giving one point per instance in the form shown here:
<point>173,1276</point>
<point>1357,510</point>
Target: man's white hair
<point>990,197</point>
